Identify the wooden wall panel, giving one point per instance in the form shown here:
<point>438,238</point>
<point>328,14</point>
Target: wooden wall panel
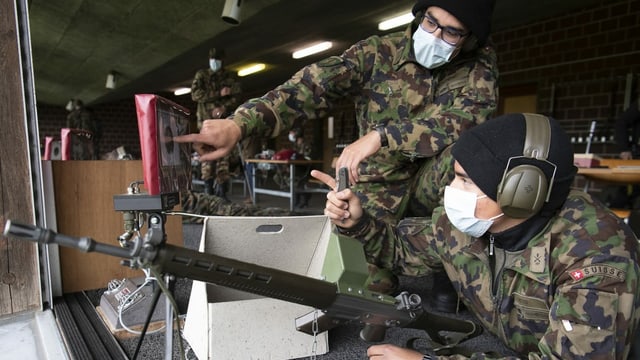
<point>84,193</point>
<point>19,275</point>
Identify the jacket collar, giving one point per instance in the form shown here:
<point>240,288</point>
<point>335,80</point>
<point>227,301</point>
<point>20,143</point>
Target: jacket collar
<point>405,49</point>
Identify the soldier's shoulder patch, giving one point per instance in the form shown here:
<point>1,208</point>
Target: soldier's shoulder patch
<point>598,270</point>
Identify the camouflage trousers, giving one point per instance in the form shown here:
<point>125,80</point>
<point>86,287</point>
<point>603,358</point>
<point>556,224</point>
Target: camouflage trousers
<point>211,205</point>
<point>416,196</point>
<point>420,196</point>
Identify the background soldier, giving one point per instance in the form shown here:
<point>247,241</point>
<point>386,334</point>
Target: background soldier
<point>81,118</point>
<point>216,91</point>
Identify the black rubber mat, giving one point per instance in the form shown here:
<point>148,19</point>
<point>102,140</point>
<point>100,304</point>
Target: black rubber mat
<point>85,335</point>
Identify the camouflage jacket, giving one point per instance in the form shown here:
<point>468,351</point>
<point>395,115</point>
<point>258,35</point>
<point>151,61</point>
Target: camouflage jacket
<point>205,90</point>
<point>423,110</point>
<point>572,293</point>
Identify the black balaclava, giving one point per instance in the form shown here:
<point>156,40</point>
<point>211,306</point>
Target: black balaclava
<point>474,14</point>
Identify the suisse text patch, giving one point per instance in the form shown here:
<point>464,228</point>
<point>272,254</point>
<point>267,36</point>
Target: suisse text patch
<point>598,270</point>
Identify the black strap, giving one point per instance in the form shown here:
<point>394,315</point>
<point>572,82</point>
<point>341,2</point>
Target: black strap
<point>432,347</point>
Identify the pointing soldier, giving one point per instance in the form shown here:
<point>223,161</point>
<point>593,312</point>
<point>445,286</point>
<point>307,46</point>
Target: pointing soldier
<point>414,92</point>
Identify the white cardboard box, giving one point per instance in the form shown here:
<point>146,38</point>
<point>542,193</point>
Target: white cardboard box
<point>225,324</point>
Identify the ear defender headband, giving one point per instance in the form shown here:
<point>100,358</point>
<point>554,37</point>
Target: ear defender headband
<point>524,189</point>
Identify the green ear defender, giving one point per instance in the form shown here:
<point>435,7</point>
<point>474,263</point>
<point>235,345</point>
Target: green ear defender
<point>524,189</point>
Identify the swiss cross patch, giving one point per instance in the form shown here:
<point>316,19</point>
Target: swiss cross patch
<point>577,275</point>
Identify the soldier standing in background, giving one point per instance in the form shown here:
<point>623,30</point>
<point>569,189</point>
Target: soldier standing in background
<point>216,91</point>
<point>81,118</point>
<point>302,152</point>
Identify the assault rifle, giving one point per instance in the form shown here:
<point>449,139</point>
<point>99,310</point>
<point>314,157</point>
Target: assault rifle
<point>340,301</point>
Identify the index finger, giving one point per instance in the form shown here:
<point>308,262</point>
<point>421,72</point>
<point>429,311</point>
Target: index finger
<point>186,138</point>
<point>325,178</point>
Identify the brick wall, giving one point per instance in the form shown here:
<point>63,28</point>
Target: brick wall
<point>581,66</point>
<point>578,64</point>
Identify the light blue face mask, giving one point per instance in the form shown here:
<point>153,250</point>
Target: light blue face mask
<point>431,51</point>
<point>215,64</point>
<point>460,207</point>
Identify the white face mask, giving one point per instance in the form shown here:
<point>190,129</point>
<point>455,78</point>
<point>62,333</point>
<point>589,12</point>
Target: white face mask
<point>431,51</point>
<point>215,64</point>
<point>292,137</point>
<point>460,207</point>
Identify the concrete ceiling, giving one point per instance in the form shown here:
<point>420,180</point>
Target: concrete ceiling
<point>155,46</point>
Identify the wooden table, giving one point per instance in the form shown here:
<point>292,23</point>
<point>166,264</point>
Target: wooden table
<point>616,175</point>
<point>614,171</point>
<point>291,194</point>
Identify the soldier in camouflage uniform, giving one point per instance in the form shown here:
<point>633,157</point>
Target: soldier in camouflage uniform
<point>554,274</point>
<point>409,104</point>
<point>81,118</point>
<point>302,151</point>
<point>216,91</point>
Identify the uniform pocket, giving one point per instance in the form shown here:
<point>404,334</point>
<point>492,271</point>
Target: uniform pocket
<point>585,322</point>
<point>530,308</point>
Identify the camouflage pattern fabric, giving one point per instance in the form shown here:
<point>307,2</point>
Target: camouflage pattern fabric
<point>207,169</point>
<point>572,293</point>
<point>211,205</point>
<point>205,90</point>
<point>424,110</point>
<point>220,169</point>
<point>427,192</point>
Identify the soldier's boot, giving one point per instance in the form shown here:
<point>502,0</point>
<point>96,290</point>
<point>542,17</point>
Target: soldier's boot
<point>382,281</point>
<point>220,190</point>
<point>444,297</point>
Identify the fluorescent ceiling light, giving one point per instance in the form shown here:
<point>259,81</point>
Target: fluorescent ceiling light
<point>181,91</point>
<point>111,80</point>
<point>396,21</point>
<point>250,69</point>
<point>312,49</point>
